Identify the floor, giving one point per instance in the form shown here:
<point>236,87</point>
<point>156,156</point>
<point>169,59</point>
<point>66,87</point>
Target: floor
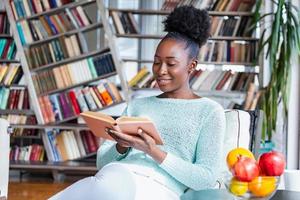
<point>33,190</point>
<point>36,186</point>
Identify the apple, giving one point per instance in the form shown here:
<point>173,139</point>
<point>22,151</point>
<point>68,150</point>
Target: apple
<point>272,163</point>
<point>245,169</point>
<point>234,154</point>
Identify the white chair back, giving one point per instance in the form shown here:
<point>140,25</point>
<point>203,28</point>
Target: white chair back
<point>4,157</point>
<point>243,129</point>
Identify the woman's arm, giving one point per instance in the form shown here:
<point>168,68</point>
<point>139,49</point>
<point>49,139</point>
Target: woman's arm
<point>203,173</point>
<point>108,152</point>
<point>111,151</point>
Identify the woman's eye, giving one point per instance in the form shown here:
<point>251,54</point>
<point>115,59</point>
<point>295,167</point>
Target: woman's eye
<point>171,64</point>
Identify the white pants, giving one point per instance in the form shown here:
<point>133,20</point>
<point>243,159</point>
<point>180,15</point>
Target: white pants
<point>116,182</point>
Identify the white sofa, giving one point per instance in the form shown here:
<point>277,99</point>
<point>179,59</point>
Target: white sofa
<point>4,157</point>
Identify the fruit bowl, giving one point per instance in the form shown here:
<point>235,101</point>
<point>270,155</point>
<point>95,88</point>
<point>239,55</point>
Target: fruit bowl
<point>260,188</point>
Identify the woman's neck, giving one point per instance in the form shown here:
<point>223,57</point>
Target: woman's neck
<point>179,95</point>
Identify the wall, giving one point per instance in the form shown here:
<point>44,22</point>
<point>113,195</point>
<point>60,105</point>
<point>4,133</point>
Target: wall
<point>293,161</point>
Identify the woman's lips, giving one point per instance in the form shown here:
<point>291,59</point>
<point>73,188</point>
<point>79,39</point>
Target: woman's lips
<point>163,81</point>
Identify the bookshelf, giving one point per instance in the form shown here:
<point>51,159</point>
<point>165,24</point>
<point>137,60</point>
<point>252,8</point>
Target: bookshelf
<point>53,69</point>
<point>15,104</point>
<point>41,70</point>
<point>229,22</point>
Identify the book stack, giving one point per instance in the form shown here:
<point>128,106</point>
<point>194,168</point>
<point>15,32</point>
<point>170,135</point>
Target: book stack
<point>221,80</point>
<point>143,79</point>
<point>61,145</point>
<point>233,6</point>
<point>4,25</point>
<point>14,98</point>
<point>66,105</point>
<point>235,26</point>
<point>171,4</point>
<point>124,22</point>
<point>21,119</point>
<point>228,51</point>
<point>46,26</point>
<point>34,152</point>
<point>26,8</point>
<point>7,48</point>
<point>73,73</point>
<point>10,74</point>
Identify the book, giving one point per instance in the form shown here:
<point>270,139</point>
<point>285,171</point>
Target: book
<point>117,21</point>
<point>98,122</point>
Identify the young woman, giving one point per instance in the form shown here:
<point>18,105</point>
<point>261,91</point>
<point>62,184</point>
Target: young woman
<point>191,127</point>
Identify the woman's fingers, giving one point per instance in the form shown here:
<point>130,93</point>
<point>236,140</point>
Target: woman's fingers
<point>144,135</point>
<point>121,138</point>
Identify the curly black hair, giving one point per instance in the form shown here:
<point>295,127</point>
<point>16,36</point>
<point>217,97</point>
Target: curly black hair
<point>188,24</point>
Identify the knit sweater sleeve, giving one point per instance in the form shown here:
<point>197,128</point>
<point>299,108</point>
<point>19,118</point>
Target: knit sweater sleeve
<point>203,172</point>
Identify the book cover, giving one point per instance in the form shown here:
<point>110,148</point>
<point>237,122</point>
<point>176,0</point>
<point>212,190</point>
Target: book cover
<point>98,122</point>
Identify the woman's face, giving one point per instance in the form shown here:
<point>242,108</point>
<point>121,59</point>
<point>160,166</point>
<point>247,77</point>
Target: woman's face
<point>171,66</point>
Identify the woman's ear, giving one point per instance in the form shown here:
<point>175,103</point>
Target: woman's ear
<point>193,66</point>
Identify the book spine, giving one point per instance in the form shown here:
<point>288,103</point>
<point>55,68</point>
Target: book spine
<point>73,99</point>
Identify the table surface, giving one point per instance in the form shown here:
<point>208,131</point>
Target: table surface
<point>224,195</point>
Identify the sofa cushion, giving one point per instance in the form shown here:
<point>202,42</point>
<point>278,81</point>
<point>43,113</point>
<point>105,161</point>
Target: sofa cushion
<point>237,134</point>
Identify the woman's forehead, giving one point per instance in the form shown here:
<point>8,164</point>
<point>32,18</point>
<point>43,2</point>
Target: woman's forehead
<point>171,48</point>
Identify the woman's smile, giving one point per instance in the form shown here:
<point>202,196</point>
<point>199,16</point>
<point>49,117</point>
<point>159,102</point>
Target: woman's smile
<point>163,81</point>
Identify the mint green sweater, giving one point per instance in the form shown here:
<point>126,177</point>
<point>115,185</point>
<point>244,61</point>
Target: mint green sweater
<point>192,131</point>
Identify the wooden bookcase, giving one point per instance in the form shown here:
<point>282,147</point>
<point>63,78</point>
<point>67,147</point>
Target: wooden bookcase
<point>30,72</point>
<point>96,29</point>
<point>16,115</point>
<point>242,66</point>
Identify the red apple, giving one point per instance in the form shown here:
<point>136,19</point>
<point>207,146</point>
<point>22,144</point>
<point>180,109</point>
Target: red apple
<point>245,169</point>
<point>272,163</point>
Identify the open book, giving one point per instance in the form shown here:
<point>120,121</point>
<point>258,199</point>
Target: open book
<point>98,122</point>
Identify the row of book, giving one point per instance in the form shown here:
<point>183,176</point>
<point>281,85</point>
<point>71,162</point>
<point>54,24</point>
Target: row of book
<point>34,152</point>
<point>215,5</point>
<point>233,5</point>
<point>26,8</point>
<point>201,80</point>
<point>231,26</point>
<point>221,80</point>
<point>21,119</point>
<point>143,79</point>
<point>10,74</point>
<point>71,103</point>
<point>53,51</point>
<point>46,26</point>
<point>14,99</point>
<point>252,97</point>
<point>228,51</point>
<point>124,22</point>
<point>171,4</point>
<point>73,73</point>
<point>61,145</point>
<point>7,48</point>
<point>4,25</point>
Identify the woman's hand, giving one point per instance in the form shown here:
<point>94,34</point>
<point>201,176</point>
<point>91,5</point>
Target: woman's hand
<point>141,141</point>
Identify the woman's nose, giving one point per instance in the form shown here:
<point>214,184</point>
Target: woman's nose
<point>163,69</point>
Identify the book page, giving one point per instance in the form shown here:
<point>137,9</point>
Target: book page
<point>130,125</point>
<point>98,122</point>
<point>128,119</point>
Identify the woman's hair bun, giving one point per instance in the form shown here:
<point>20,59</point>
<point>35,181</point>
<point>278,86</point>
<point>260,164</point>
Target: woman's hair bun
<point>189,21</point>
